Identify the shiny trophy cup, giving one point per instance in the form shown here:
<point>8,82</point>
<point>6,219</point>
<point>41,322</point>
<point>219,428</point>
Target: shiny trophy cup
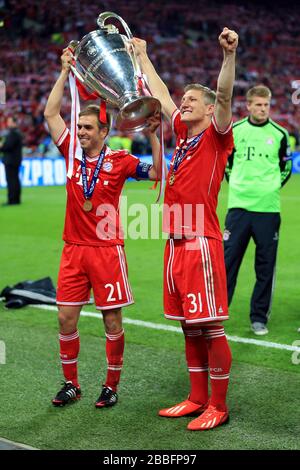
<point>104,64</point>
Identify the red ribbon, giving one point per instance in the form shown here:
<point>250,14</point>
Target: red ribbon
<point>87,96</point>
<point>102,112</point>
<point>84,94</point>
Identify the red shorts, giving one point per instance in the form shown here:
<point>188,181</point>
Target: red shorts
<point>104,269</point>
<point>195,287</point>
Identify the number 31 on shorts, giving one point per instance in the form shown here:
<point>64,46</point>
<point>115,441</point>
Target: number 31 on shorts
<point>195,301</point>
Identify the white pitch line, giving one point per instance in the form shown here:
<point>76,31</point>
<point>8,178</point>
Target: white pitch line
<point>13,445</point>
<point>176,329</point>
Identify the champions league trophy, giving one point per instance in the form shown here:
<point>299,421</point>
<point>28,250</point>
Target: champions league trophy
<point>105,65</point>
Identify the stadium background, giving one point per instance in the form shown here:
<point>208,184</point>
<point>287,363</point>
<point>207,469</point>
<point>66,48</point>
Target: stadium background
<point>264,386</point>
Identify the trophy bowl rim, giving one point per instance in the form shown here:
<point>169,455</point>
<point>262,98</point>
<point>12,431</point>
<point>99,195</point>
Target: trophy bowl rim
<point>151,106</point>
<point>86,37</point>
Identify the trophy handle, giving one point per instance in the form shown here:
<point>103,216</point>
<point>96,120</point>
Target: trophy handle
<point>109,14</point>
<point>77,74</point>
<point>72,46</point>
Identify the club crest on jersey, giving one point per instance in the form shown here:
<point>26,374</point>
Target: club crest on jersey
<point>270,141</point>
<point>226,235</point>
<point>107,165</point>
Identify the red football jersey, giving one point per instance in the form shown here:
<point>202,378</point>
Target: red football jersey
<point>101,226</point>
<point>191,201</point>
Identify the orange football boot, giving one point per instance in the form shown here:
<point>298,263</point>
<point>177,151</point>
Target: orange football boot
<point>185,408</point>
<point>209,419</point>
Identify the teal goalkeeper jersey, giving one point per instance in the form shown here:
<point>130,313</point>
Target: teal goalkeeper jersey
<point>259,165</point>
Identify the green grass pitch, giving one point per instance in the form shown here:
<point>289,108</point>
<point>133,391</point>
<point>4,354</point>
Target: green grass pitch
<point>263,394</point>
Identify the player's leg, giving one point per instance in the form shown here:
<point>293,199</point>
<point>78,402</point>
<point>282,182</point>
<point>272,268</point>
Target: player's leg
<point>219,359</point>
<point>73,291</point>
<point>197,363</point>
<point>114,356</point>
<point>69,341</point>
<point>69,345</point>
<point>196,354</point>
<point>206,305</point>
<point>195,346</point>
<point>266,236</point>
<point>236,237</point>
<point>109,276</point>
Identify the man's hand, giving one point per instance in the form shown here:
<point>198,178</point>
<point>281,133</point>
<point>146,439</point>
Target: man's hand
<point>228,40</point>
<point>66,60</point>
<point>139,46</point>
<point>153,123</point>
<point>157,87</point>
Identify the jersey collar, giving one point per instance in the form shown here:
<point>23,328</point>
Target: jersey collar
<point>95,157</point>
<point>258,125</point>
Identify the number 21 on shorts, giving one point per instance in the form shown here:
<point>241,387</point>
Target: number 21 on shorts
<point>114,293</point>
<point>195,301</point>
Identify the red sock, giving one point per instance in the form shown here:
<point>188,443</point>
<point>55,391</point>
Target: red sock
<point>219,359</point>
<point>69,350</point>
<point>114,357</point>
<point>197,362</point>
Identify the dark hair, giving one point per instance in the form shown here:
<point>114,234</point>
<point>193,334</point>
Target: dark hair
<point>93,110</point>
<point>208,94</point>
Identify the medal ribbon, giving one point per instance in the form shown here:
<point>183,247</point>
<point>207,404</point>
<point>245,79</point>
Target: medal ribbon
<point>74,148</point>
<point>181,152</point>
<point>88,191</point>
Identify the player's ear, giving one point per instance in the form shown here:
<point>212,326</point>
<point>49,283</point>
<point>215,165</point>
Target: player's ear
<point>104,132</point>
<point>210,109</point>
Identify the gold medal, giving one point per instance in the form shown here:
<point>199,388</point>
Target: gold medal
<point>87,205</point>
<point>172,179</point>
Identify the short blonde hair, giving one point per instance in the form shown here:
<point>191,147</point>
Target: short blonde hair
<point>208,94</point>
<point>260,91</point>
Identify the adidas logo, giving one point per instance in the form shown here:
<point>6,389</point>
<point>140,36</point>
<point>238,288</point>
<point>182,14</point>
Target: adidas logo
<point>220,310</point>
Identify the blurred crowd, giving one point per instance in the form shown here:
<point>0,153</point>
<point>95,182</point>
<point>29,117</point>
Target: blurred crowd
<point>182,42</point>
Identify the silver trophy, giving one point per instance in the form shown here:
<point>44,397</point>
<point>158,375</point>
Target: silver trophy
<point>105,64</point>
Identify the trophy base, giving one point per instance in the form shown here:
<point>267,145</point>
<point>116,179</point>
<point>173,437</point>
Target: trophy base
<point>133,116</point>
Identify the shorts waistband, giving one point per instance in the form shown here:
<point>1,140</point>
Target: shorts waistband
<point>181,237</point>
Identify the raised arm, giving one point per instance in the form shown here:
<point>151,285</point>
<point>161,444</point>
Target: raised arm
<point>154,171</point>
<point>157,87</point>
<point>228,40</point>
<point>153,123</point>
<point>52,115</point>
